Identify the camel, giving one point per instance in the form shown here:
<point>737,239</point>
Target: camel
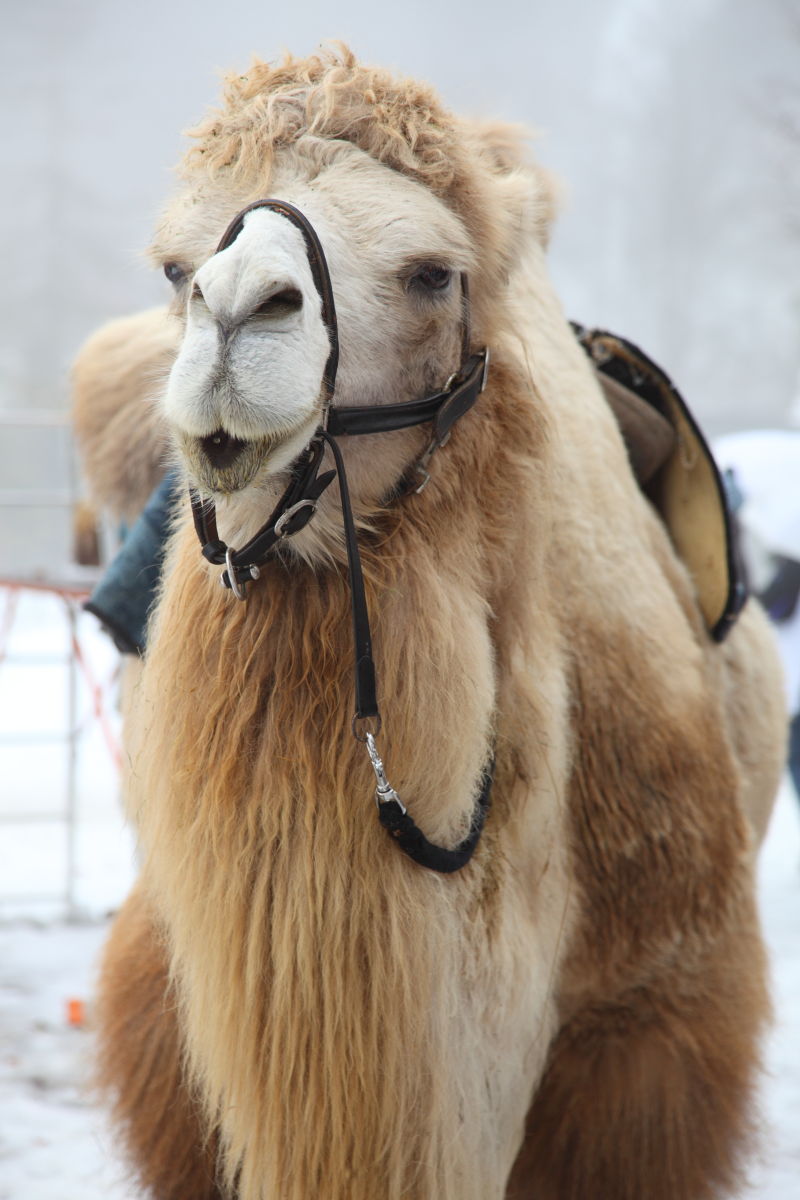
<point>290,1006</point>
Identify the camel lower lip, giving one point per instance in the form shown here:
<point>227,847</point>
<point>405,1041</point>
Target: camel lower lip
<point>223,464</point>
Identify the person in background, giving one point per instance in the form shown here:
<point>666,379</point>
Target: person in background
<point>125,595</point>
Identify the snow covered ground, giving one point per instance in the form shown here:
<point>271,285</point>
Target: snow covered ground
<point>54,1144</point>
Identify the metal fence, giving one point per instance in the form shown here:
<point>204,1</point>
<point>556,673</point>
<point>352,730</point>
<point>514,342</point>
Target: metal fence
<point>38,496</point>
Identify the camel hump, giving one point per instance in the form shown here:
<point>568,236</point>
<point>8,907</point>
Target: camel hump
<point>675,469</point>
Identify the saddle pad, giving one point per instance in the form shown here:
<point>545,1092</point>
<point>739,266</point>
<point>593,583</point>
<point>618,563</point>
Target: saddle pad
<point>678,473</point>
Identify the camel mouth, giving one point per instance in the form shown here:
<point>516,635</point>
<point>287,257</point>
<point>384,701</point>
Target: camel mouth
<point>221,463</point>
<point>222,449</point>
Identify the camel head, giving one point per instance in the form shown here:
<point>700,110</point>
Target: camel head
<point>404,200</point>
<point>245,393</point>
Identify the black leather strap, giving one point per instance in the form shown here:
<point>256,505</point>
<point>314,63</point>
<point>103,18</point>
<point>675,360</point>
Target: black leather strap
<point>292,513</point>
<point>443,408</point>
<point>461,396</point>
<point>366,696</point>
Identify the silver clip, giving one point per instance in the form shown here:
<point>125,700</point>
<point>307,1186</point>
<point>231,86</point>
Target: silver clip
<point>384,792</point>
<point>234,582</point>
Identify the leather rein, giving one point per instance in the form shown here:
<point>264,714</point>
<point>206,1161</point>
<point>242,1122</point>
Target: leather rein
<point>297,506</point>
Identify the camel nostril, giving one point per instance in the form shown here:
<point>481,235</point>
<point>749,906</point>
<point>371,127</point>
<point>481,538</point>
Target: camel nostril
<point>281,304</point>
<point>221,449</point>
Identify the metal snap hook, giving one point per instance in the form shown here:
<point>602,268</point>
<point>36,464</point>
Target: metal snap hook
<point>384,792</point>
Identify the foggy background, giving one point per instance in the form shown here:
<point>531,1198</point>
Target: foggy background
<point>670,123</point>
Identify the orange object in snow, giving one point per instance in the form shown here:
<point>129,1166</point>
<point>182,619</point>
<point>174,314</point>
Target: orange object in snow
<point>76,1012</point>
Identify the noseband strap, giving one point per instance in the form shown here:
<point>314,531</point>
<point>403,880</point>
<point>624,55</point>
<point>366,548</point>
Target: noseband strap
<point>298,503</point>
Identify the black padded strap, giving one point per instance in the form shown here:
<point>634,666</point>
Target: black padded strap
<point>412,840</point>
<point>462,396</point>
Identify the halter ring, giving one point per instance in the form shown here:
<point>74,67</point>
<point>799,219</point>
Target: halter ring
<point>234,582</point>
<point>362,737</point>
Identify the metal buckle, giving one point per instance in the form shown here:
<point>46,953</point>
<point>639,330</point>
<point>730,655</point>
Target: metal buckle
<point>284,519</point>
<point>232,580</point>
<point>384,792</point>
<point>421,465</point>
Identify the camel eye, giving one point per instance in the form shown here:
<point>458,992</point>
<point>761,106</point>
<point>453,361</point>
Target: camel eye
<point>432,277</point>
<point>174,273</point>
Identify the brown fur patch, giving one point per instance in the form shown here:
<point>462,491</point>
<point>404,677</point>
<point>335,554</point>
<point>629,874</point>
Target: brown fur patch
<point>140,1064</point>
<point>647,1098</point>
<point>650,1086</point>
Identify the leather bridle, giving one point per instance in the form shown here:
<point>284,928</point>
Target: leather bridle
<point>297,505</point>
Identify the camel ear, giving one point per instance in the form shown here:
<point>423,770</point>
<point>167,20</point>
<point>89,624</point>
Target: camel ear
<point>502,146</point>
<point>526,190</point>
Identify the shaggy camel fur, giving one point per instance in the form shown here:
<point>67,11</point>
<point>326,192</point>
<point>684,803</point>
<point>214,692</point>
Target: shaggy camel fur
<point>120,431</point>
<point>289,1007</point>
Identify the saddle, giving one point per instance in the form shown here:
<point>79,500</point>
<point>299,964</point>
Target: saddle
<point>675,469</point>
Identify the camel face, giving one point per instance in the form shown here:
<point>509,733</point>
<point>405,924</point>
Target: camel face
<point>245,393</point>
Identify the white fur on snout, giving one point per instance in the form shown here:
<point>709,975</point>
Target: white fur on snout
<point>254,376</point>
